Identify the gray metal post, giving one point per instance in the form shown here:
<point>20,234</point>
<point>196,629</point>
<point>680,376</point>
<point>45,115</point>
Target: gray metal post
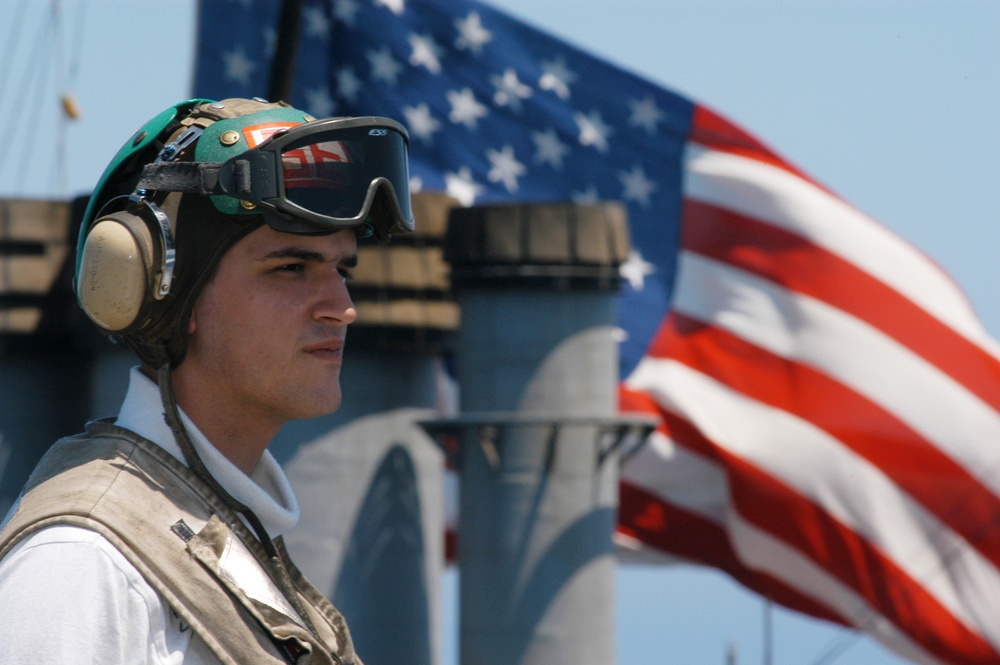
<point>538,436</point>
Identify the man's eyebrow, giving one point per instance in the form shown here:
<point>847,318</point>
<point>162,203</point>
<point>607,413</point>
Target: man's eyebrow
<point>302,254</point>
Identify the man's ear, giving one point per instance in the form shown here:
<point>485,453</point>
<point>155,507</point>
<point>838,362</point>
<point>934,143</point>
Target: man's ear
<point>192,324</point>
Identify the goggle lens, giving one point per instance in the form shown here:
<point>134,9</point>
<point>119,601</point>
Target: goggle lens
<point>331,173</point>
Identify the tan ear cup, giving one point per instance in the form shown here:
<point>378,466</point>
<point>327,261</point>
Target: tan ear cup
<point>115,278</point>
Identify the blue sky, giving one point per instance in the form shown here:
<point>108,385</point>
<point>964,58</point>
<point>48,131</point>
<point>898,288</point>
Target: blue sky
<point>893,104</point>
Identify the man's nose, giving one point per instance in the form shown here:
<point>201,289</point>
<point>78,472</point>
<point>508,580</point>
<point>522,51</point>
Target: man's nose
<point>335,303</point>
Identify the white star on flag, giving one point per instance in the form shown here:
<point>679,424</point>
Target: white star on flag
<point>462,187</point>
<point>319,103</point>
<point>346,11</point>
<point>395,6</point>
<point>238,66</point>
<point>384,66</point>
<point>505,167</point>
<point>420,121</point>
<point>348,84</point>
<point>465,109</point>
<point>510,90</point>
<point>472,34</point>
<point>426,52</point>
<point>593,131</point>
<point>549,149</point>
<point>557,77</point>
<point>637,186</point>
<point>636,269</point>
<point>317,24</point>
<point>645,114</point>
<point>587,196</point>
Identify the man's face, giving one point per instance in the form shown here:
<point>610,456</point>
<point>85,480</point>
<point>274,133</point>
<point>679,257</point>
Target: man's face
<point>267,332</point>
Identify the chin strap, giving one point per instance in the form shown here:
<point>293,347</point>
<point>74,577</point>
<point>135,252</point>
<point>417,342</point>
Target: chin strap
<point>280,574</point>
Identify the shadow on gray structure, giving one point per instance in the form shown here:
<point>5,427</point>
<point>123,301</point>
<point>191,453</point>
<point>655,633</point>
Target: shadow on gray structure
<point>371,496</point>
<point>566,558</point>
<point>384,567</point>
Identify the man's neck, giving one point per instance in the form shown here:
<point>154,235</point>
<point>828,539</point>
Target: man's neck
<point>241,439</point>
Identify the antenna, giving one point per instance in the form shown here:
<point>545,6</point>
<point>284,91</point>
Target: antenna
<point>283,64</point>
<point>731,652</point>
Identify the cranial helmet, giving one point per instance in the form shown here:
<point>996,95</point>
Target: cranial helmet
<point>203,174</point>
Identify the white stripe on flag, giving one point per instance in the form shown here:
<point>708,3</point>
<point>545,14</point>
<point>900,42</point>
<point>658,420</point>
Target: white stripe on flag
<point>811,332</point>
<point>776,196</point>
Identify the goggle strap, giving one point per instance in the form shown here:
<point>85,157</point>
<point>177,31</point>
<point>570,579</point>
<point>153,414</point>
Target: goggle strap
<point>186,178</point>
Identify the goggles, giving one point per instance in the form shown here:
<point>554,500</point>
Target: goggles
<point>318,177</point>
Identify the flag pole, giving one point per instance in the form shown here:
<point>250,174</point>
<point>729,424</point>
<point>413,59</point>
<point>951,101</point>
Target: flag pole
<point>283,63</point>
<point>768,632</point>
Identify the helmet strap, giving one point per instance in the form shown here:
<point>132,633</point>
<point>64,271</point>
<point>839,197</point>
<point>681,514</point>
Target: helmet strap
<point>194,462</point>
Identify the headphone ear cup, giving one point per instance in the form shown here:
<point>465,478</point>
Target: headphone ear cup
<point>115,280</point>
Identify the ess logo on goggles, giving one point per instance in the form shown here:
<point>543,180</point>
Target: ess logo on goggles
<point>317,177</point>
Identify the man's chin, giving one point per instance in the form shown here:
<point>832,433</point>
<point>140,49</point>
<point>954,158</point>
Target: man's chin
<point>319,409</point>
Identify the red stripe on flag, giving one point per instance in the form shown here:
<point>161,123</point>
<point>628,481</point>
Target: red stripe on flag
<point>798,265</point>
<point>668,528</point>
<point>807,527</point>
<point>920,469</point>
<point>711,130</point>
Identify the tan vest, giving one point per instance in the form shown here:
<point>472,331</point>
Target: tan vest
<point>186,543</point>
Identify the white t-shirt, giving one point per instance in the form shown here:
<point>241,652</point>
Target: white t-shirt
<point>68,596</point>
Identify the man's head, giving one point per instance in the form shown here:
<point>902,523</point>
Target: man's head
<point>202,175</point>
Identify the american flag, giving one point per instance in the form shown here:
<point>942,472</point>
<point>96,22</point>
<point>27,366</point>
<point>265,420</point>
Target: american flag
<point>830,404</point>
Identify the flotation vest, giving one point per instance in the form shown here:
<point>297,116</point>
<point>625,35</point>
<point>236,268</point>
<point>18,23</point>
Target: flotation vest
<point>186,543</point>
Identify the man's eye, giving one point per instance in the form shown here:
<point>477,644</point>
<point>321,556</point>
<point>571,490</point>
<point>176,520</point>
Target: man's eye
<point>290,267</point>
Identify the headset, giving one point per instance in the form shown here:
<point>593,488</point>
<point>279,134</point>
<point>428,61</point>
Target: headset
<point>125,265</point>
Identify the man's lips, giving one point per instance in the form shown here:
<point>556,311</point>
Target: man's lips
<point>331,349</point>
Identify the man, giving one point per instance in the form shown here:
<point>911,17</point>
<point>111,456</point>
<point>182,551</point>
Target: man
<point>218,246</point>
